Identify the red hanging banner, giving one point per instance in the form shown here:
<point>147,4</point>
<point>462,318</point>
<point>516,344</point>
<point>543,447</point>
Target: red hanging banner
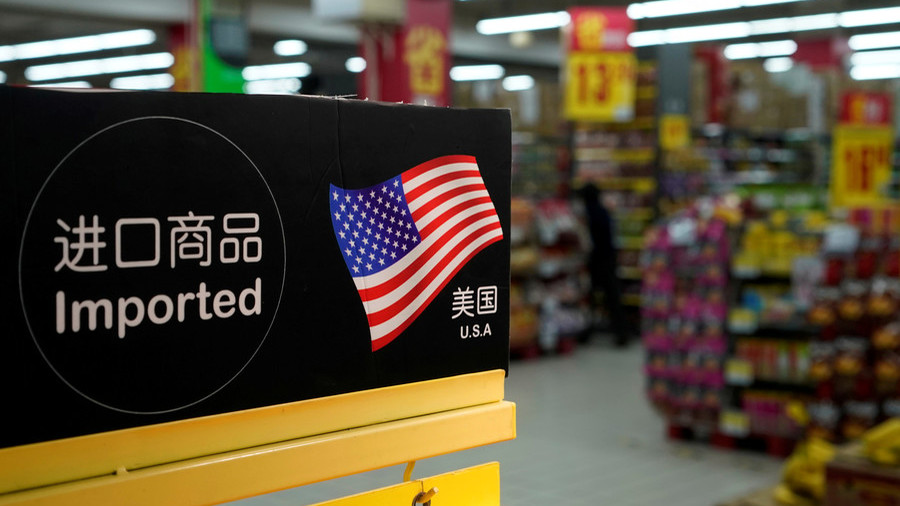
<point>409,63</point>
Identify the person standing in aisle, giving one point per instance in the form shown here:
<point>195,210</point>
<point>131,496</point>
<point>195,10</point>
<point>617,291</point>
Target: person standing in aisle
<point>603,261</point>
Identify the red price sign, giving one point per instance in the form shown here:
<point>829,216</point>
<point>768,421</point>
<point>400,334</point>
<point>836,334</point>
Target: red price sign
<point>600,86</point>
<point>861,165</point>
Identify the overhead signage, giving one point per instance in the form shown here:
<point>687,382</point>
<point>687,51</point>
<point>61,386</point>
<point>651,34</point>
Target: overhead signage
<point>861,165</point>
<point>600,68</point>
<point>180,255</point>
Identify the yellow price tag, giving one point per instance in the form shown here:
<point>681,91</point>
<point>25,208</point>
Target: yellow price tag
<point>600,86</point>
<point>674,131</point>
<point>861,165</point>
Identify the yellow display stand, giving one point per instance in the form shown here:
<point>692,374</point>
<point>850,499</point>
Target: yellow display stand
<point>226,457</point>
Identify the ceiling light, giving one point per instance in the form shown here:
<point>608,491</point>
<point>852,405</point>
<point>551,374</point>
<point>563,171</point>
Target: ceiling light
<point>875,57</point>
<point>518,83</point>
<point>778,64</point>
<point>664,8</point>
<point>476,72</point>
<point>707,32</point>
<point>814,22</point>
<point>870,17</point>
<point>355,64</point>
<point>287,86</point>
<point>865,72</point>
<point>100,66</point>
<point>74,45</point>
<point>528,22</point>
<point>67,84</point>
<point>874,40</point>
<point>733,30</point>
<point>290,47</point>
<point>276,71</point>
<point>648,38</point>
<point>760,49</point>
<point>147,82</point>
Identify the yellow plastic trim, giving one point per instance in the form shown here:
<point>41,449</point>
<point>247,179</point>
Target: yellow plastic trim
<point>269,468</point>
<point>474,486</point>
<point>40,464</point>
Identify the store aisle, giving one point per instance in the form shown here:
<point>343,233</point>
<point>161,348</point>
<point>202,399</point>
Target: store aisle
<point>585,436</point>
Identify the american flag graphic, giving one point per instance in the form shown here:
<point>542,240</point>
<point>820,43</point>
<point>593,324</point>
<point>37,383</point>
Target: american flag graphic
<point>404,239</point>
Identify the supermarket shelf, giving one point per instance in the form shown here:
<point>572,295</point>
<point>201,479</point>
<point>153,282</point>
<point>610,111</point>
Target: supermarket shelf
<point>632,242</point>
<point>788,330</point>
<point>773,384</point>
<point>634,213</point>
<point>634,155</point>
<point>625,272</point>
<point>637,184</point>
<point>631,299</point>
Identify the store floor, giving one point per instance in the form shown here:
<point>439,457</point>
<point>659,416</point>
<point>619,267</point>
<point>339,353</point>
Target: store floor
<point>586,435</point>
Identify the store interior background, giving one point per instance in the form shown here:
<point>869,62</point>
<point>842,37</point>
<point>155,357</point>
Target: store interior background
<point>760,293</point>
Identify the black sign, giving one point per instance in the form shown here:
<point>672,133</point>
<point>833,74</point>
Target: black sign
<point>180,255</point>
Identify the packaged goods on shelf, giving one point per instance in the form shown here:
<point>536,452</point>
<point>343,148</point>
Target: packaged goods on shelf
<point>683,310</point>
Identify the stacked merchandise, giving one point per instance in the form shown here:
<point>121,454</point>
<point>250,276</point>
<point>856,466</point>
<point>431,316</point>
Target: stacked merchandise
<point>683,317</point>
<point>524,256</point>
<point>549,283</point>
<point>855,360</point>
<point>773,274</point>
<point>620,160</point>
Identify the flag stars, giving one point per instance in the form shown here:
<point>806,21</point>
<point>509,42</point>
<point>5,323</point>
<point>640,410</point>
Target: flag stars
<point>396,183</point>
<point>393,254</point>
<point>390,230</point>
<point>380,200</point>
<point>393,220</point>
<point>384,251</point>
<point>408,226</point>
<point>380,226</point>
<point>396,244</point>
<point>342,234</point>
<point>355,269</point>
<point>403,247</point>
<point>391,195</point>
<point>368,205</point>
<point>358,260</point>
<point>351,217</point>
<point>335,195</point>
<point>368,231</point>
<point>371,256</point>
<point>383,216</point>
<point>371,221</point>
<point>415,239</point>
<point>406,236</point>
<point>348,251</point>
<point>352,243</point>
<point>399,197</point>
<point>355,234</point>
<point>369,266</point>
<point>362,251</point>
<point>397,233</point>
<point>359,196</point>
<point>384,189</point>
<point>359,224</point>
<point>372,194</point>
<point>396,209</point>
<point>378,236</point>
<point>366,240</point>
<point>346,226</point>
<point>403,212</point>
<point>355,208</point>
<point>337,216</point>
<point>343,208</point>
<point>347,198</point>
<point>380,261</point>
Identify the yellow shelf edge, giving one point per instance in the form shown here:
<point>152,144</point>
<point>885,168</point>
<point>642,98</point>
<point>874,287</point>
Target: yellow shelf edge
<point>278,466</point>
<point>41,464</point>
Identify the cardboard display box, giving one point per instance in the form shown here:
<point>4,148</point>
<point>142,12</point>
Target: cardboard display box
<point>180,255</point>
<point>852,479</point>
